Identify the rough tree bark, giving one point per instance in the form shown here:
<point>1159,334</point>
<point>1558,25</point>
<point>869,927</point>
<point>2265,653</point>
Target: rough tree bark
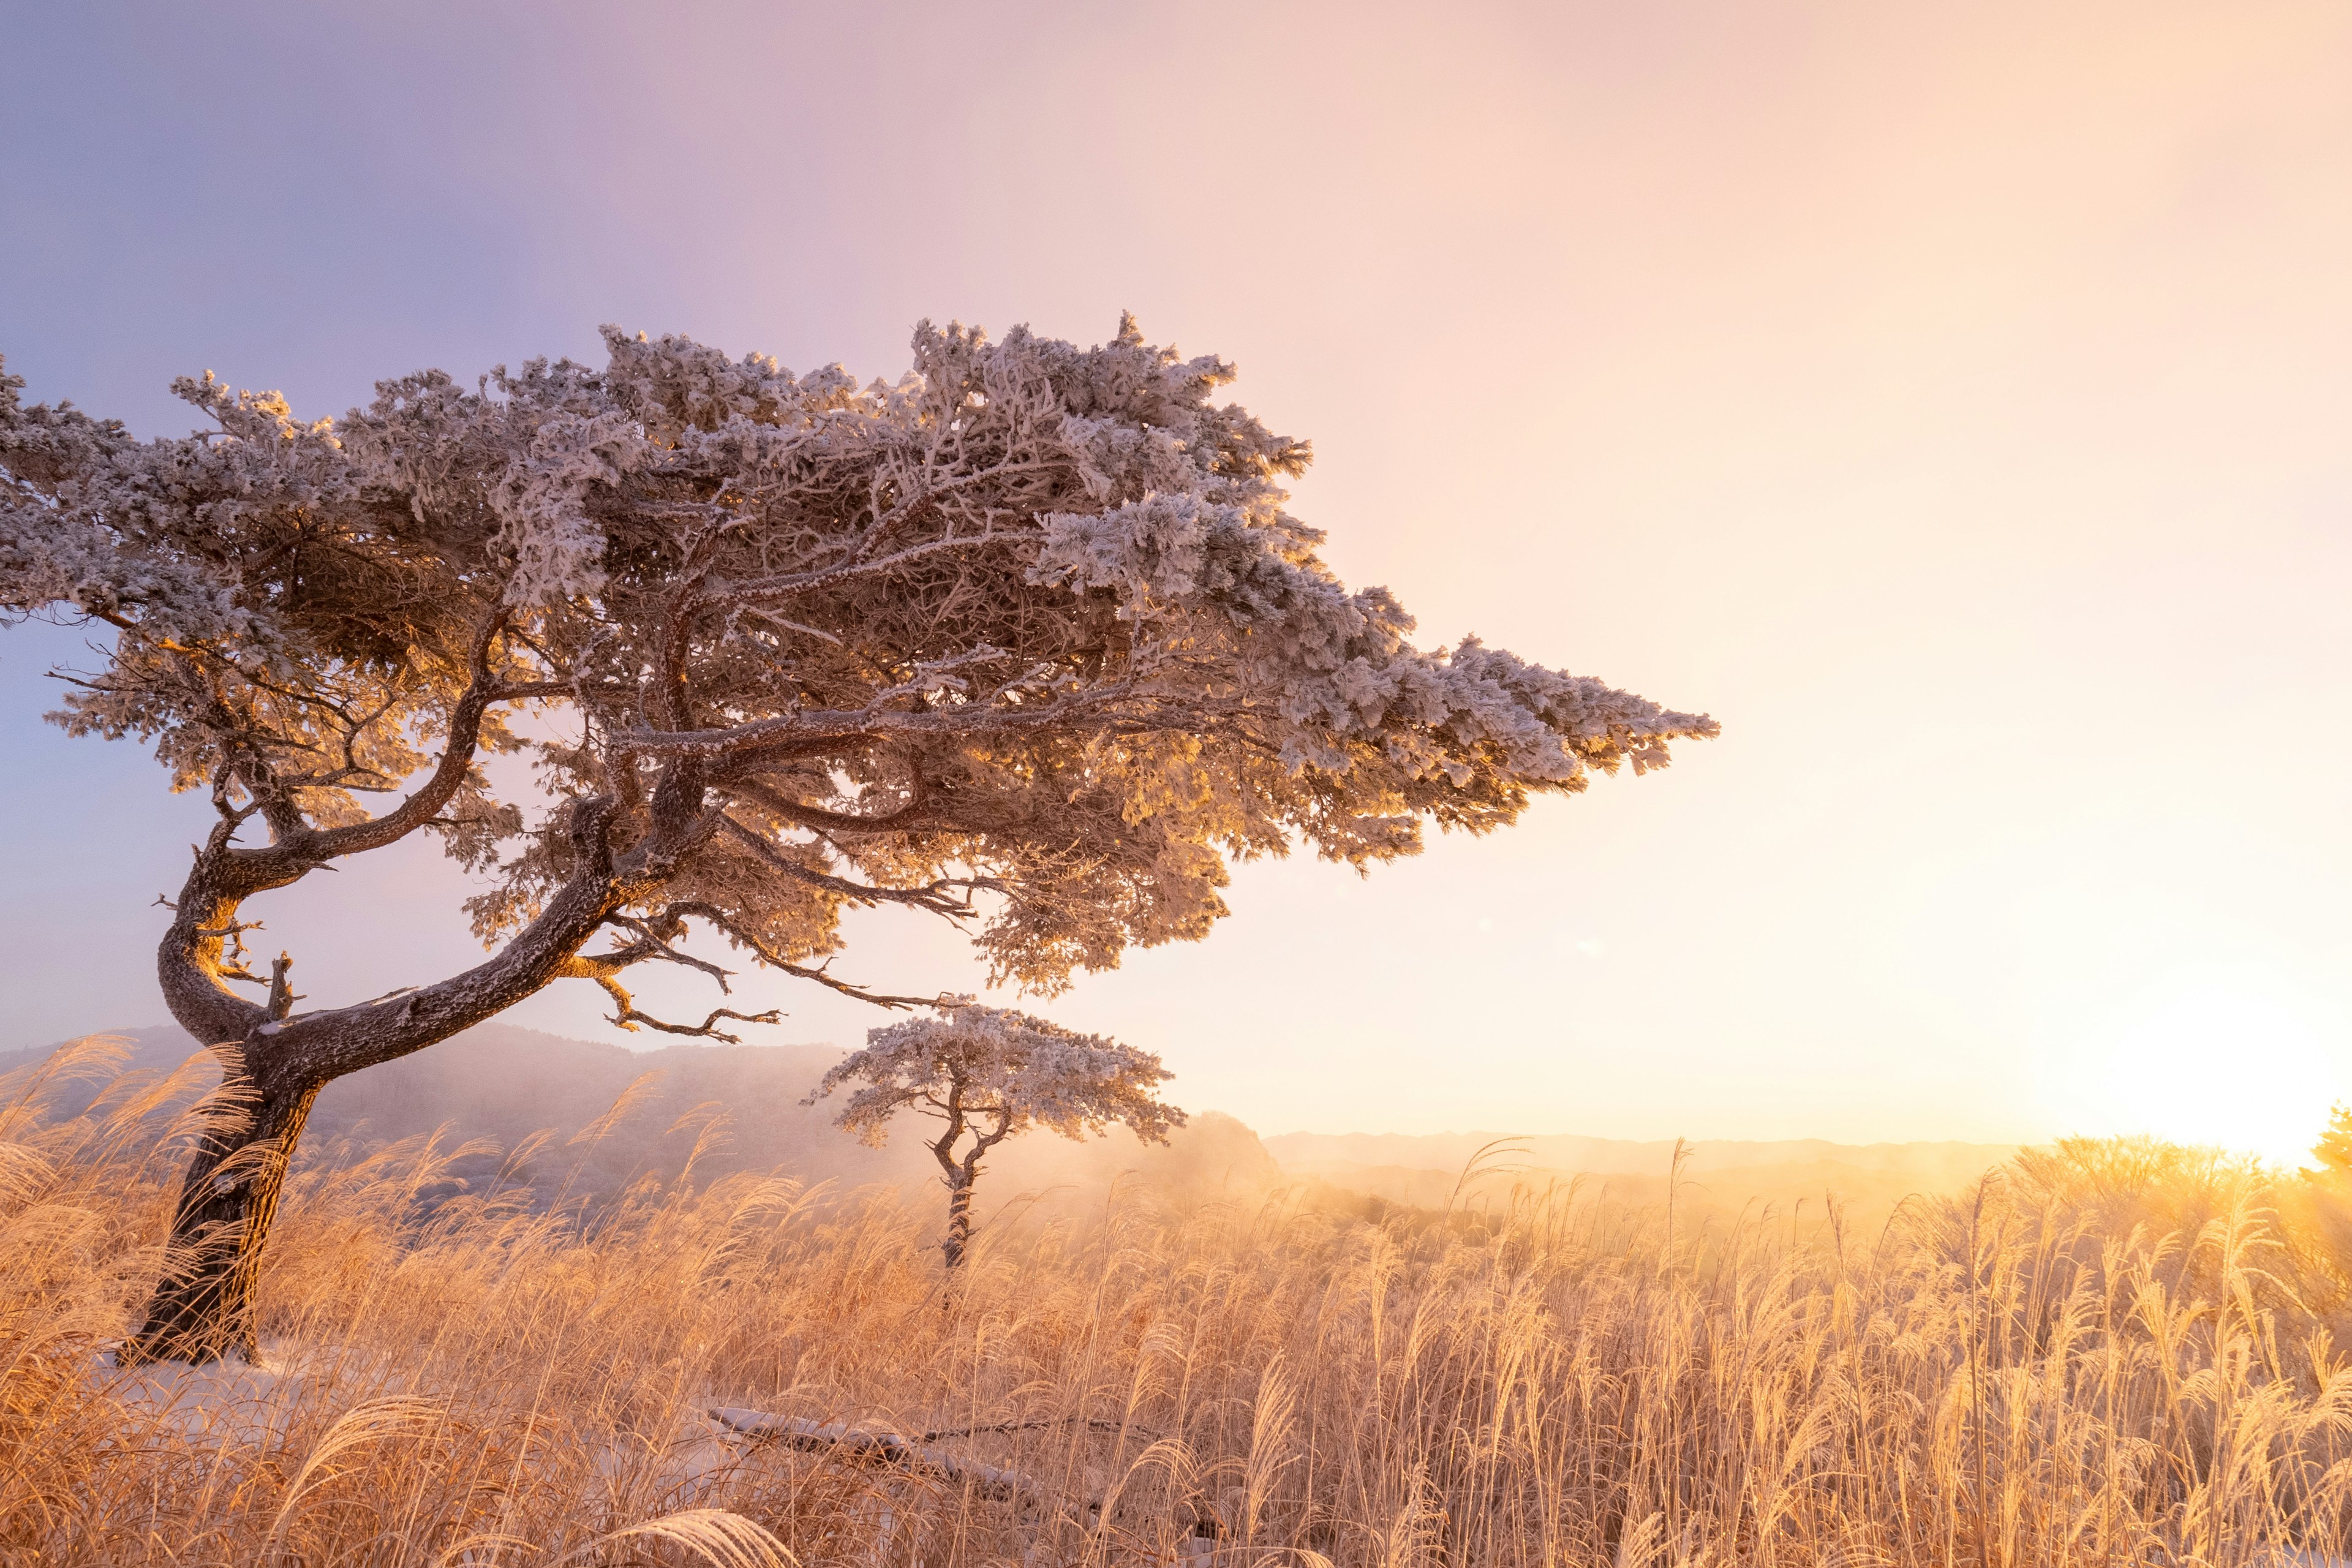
<point>201,1309</point>
<point>959,1236</point>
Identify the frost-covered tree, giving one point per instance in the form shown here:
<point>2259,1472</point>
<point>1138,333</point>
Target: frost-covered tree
<point>987,1073</point>
<point>1025,639</point>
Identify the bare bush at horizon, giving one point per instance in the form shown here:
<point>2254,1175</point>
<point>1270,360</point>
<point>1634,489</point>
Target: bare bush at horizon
<point>2112,1353</point>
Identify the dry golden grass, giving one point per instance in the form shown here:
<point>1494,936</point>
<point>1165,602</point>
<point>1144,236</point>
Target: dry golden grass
<point>2111,1354</point>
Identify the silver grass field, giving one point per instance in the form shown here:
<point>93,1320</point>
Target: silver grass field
<point>2105,1353</point>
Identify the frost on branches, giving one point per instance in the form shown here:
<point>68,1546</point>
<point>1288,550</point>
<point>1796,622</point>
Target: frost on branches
<point>1025,639</point>
<point>988,1073</point>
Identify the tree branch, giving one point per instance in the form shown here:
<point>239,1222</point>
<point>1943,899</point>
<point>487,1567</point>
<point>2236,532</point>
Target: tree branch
<point>762,589</point>
<point>654,944</point>
<point>326,1044</point>
<point>627,1016</point>
<point>932,896</point>
<point>874,724</point>
<point>776,960</point>
<point>301,846</point>
<point>920,814</point>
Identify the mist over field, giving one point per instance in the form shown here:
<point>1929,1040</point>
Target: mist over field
<point>742,1107</point>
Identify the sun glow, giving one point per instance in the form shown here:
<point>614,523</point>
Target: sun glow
<point>2208,1064</point>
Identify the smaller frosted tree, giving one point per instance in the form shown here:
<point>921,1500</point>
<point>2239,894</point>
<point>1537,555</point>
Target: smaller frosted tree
<point>988,1073</point>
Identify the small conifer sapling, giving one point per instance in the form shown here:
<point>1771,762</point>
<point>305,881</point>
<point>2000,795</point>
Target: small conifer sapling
<point>985,1074</point>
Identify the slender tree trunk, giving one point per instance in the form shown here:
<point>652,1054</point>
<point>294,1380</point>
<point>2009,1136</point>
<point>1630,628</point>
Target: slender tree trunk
<point>963,1174</point>
<point>959,1236</point>
<point>203,1307</point>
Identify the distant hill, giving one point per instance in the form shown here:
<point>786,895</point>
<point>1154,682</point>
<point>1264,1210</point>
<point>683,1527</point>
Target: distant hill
<point>1722,1178</point>
<point>503,1083</point>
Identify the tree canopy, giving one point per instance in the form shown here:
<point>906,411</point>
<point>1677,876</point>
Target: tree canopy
<point>1025,637</point>
<point>1001,1071</point>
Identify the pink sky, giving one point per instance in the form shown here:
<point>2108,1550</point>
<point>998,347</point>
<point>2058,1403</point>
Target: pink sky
<point>1954,405</point>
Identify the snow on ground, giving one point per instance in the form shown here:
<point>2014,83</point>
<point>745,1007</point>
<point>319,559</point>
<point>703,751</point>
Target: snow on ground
<point>231,1401</point>
<point>234,1403</point>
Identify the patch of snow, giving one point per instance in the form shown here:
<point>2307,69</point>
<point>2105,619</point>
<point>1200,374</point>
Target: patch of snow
<point>223,1402</point>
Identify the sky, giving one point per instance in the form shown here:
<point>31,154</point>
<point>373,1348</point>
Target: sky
<point>1951,401</point>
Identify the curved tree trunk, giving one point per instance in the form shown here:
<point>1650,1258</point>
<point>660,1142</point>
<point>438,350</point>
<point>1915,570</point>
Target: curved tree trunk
<point>202,1307</point>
